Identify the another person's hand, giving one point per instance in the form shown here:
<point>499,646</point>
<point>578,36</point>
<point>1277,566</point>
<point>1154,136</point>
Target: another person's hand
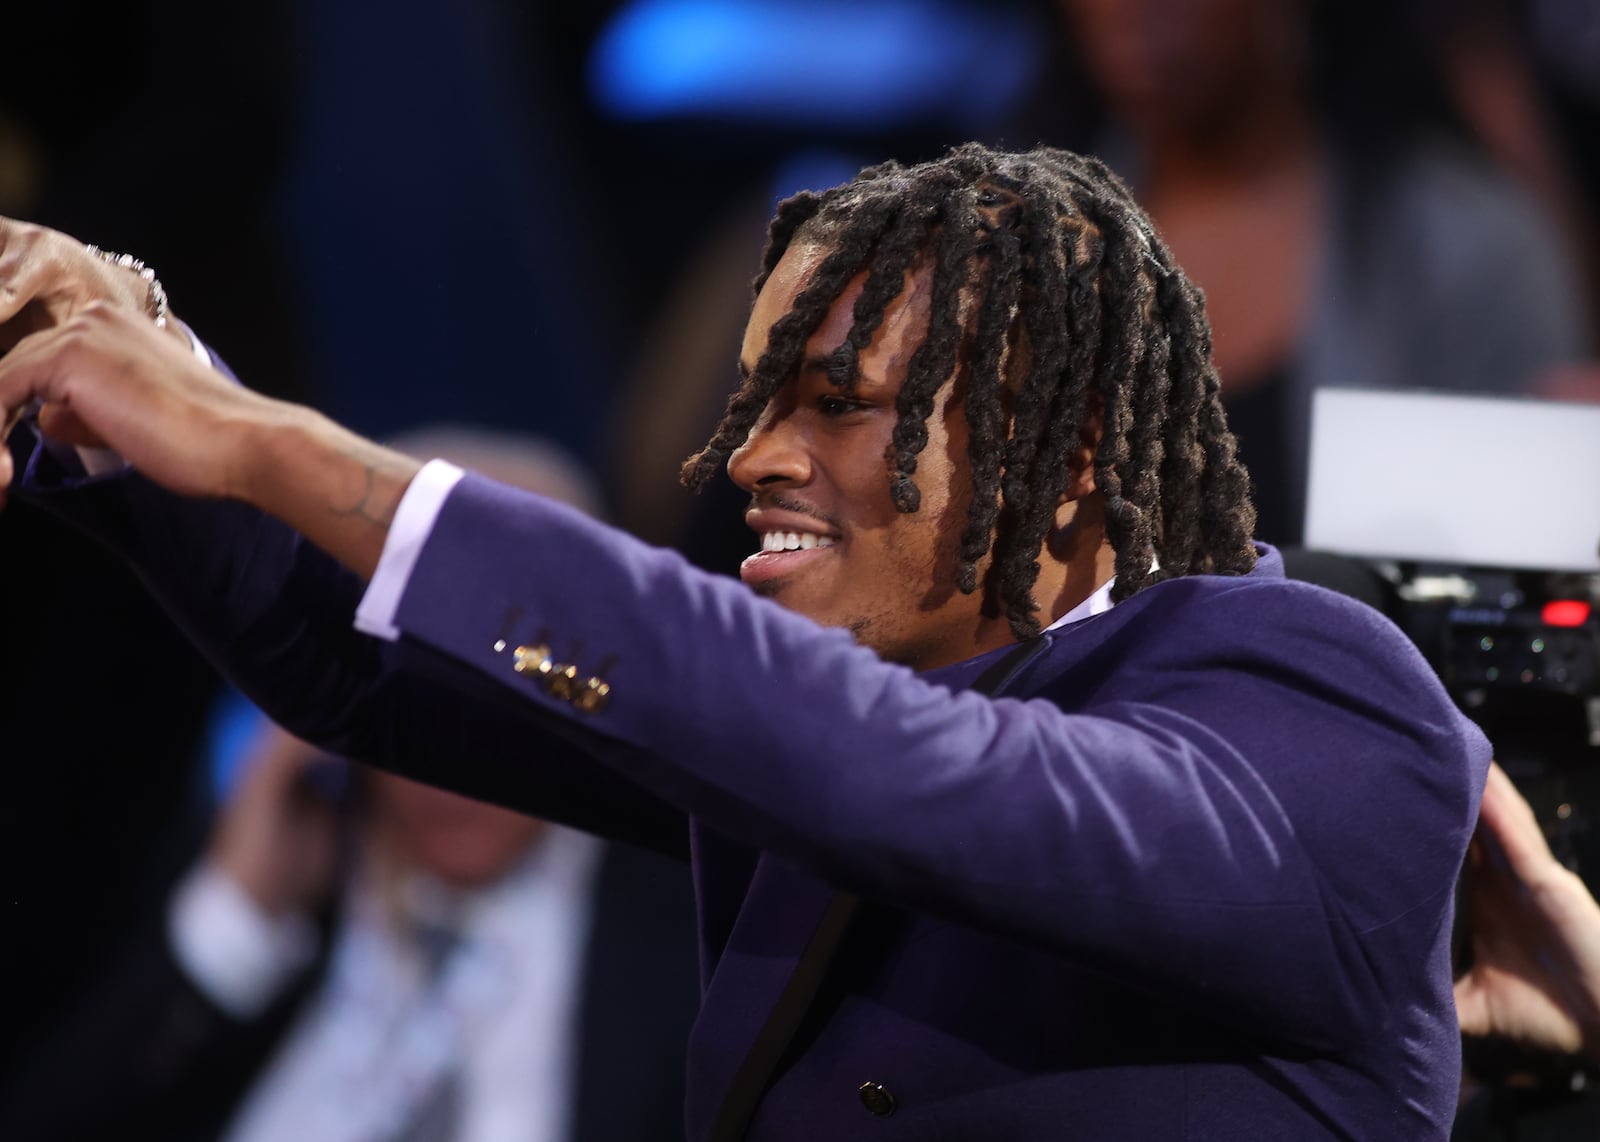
<point>277,839</point>
<point>1535,978</point>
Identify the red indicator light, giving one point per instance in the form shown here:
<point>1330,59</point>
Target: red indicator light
<point>1565,613</point>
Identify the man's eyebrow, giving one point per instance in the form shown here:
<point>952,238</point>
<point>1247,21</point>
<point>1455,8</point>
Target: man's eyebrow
<point>838,372</point>
<point>824,364</point>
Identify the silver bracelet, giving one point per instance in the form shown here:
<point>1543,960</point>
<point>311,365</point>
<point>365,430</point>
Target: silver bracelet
<point>155,295</point>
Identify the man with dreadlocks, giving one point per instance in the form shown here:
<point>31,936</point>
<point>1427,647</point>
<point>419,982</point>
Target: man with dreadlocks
<point>1147,842</point>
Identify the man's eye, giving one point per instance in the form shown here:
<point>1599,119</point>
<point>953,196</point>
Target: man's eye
<point>837,406</point>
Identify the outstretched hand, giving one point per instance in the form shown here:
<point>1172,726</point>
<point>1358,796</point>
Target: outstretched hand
<point>85,351</point>
<point>46,277</point>
<point>81,346</point>
<point>1535,977</point>
<point>107,377</point>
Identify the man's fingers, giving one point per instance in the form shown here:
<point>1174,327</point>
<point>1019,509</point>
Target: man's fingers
<point>1512,831</point>
<point>47,277</point>
<point>38,367</point>
<point>1471,1011</point>
<point>33,316</point>
<point>26,269</point>
<point>24,370</point>
<point>60,423</point>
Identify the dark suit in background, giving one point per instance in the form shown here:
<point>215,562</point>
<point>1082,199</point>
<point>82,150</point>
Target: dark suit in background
<point>149,1056</point>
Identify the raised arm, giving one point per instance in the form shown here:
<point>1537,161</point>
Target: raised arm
<point>271,611</point>
<point>1225,812</point>
<point>106,377</point>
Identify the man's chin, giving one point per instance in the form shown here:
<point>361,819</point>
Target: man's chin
<point>782,592</point>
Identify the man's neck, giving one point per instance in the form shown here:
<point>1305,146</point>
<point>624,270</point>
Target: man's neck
<point>1076,559</point>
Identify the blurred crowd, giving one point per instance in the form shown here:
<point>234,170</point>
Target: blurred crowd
<point>544,218</point>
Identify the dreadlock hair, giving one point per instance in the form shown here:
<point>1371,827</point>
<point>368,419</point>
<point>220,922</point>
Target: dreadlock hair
<point>1078,306</point>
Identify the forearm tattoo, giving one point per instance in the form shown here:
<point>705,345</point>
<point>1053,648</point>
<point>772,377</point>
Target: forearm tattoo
<point>378,497</point>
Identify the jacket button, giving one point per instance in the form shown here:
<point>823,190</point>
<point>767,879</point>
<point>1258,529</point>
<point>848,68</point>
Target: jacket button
<point>877,1098</point>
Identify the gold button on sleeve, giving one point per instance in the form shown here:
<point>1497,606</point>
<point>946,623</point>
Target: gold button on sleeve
<point>592,698</point>
<point>533,662</point>
<point>564,683</point>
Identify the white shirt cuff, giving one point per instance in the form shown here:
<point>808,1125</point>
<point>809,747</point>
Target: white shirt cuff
<point>413,523</point>
<point>100,461</point>
<point>103,461</point>
<point>240,956</point>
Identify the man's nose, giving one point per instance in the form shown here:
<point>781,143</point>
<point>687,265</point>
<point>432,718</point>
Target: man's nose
<point>773,455</point>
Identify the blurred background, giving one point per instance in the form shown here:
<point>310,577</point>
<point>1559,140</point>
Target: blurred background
<point>544,217</point>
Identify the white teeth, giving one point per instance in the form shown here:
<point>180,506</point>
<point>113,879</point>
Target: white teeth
<point>794,541</point>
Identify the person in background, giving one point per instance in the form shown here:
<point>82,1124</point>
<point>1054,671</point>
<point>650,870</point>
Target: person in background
<point>1300,159</point>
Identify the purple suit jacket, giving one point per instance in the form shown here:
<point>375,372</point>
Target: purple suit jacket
<point>1191,880</point>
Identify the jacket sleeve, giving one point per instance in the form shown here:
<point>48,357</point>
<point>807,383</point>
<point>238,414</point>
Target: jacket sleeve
<point>1220,816</point>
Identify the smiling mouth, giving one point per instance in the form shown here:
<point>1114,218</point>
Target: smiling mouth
<point>782,553</point>
<point>794,541</point>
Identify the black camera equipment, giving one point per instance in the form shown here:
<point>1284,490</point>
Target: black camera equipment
<point>1495,575</point>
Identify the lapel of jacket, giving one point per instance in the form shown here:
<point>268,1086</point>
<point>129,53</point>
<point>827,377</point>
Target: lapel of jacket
<point>776,920</point>
<point>788,920</point>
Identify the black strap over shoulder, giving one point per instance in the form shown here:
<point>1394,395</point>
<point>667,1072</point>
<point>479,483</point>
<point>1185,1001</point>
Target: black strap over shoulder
<point>755,1074</point>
